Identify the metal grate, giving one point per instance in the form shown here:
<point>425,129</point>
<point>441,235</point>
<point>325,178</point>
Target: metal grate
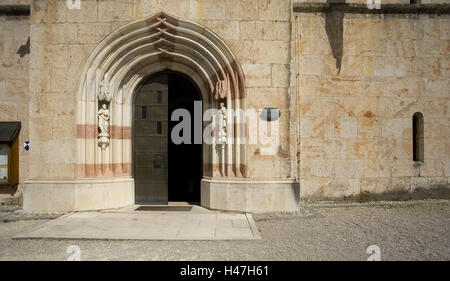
<point>164,208</point>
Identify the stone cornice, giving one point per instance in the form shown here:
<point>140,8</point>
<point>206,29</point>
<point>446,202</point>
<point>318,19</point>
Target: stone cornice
<point>14,10</point>
<point>359,8</point>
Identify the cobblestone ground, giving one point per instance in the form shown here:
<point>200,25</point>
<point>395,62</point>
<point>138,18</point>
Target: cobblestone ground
<point>418,231</point>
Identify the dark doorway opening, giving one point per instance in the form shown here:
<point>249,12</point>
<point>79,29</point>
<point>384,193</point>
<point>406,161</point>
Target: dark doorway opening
<point>165,171</point>
<point>185,160</point>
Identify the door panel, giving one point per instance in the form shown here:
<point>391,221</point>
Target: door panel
<point>150,142</point>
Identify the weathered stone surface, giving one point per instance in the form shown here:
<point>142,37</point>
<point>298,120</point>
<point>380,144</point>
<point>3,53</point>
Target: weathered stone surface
<point>387,74</point>
<point>346,124</point>
<point>258,75</point>
<point>14,82</point>
<point>109,10</point>
<point>226,29</point>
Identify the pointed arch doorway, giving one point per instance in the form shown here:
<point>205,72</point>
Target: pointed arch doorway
<point>165,171</point>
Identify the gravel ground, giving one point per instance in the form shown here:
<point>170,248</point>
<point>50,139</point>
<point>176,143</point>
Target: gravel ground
<point>319,232</point>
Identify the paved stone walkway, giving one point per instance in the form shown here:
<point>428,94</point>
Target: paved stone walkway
<point>403,231</point>
<point>148,225</point>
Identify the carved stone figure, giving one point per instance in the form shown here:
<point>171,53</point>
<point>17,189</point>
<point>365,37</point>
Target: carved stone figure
<point>103,125</point>
<point>104,94</point>
<point>222,114</point>
<point>221,89</point>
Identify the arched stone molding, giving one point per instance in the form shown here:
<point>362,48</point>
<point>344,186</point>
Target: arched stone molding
<point>133,53</point>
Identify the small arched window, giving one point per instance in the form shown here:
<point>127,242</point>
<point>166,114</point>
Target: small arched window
<point>418,136</point>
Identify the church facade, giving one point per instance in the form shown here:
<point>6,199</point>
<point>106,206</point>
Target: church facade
<point>237,105</point>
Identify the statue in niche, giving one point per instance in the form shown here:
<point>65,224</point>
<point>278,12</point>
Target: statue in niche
<point>221,88</point>
<point>103,125</point>
<point>222,122</point>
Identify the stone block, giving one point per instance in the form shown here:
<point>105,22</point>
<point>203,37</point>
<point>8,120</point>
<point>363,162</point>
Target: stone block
<point>8,110</point>
<point>369,127</point>
<point>357,28</point>
<point>40,129</point>
<point>271,51</point>
<point>429,47</point>
<point>393,66</point>
<point>348,169</point>
<point>312,27</point>
<point>115,11</point>
<point>356,66</point>
<point>57,151</point>
<point>402,168</point>
<point>257,30</point>
<point>281,75</point>
<point>282,30</point>
<point>259,98</point>
<point>207,9</point>
<point>357,148</point>
<point>15,89</point>
<point>444,29</point>
<point>144,8</point>
<point>347,127</point>
<point>396,87</point>
<point>311,148</point>
<point>436,87</point>
<point>357,47</point>
<point>433,168</point>
<point>323,128</point>
<point>226,29</point>
<point>119,191</point>
<point>335,148</point>
<point>317,65</point>
<point>57,33</point>
<point>241,9</point>
<point>274,9</point>
<point>305,127</point>
<point>314,46</point>
<point>258,75</point>
<point>401,48</point>
<point>243,49</point>
<point>87,12</point>
<point>317,168</point>
<point>93,33</point>
<point>56,56</point>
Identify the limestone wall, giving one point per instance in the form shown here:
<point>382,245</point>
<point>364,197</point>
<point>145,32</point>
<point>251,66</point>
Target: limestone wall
<point>360,79</point>
<point>257,31</point>
<point>357,80</point>
<point>14,78</point>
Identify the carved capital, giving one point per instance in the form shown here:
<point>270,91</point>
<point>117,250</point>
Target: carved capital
<point>104,93</point>
<point>221,89</point>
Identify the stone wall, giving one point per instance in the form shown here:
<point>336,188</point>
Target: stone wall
<point>347,85</point>
<point>360,79</point>
<point>257,31</point>
<point>14,79</point>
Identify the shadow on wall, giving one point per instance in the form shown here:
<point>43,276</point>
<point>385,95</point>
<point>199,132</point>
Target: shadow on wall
<point>334,26</point>
<point>24,49</point>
